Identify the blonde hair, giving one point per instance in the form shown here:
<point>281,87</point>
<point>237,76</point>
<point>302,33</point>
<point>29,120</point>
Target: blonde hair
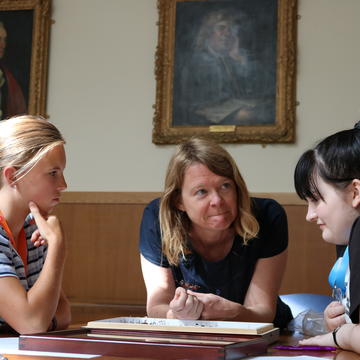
<point>24,140</point>
<point>175,224</point>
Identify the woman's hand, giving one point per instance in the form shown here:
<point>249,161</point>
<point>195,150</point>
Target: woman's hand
<point>347,338</point>
<point>319,340</point>
<point>334,315</point>
<point>216,307</point>
<point>185,305</point>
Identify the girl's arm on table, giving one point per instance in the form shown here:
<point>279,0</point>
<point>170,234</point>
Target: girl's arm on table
<point>32,311</point>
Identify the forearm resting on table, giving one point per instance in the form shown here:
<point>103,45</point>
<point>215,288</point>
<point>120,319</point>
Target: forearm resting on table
<point>159,311</point>
<point>236,312</point>
<point>63,313</point>
<point>260,313</point>
<point>348,337</point>
<point>233,311</point>
<point>43,298</point>
<point>22,311</point>
<point>42,307</point>
<point>218,308</point>
<point>32,311</point>
<point>260,301</point>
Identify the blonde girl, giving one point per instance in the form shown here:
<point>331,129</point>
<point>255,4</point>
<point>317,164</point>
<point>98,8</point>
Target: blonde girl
<point>32,245</point>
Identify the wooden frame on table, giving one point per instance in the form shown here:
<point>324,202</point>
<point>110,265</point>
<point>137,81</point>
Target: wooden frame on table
<point>226,70</point>
<point>24,43</point>
<point>146,344</point>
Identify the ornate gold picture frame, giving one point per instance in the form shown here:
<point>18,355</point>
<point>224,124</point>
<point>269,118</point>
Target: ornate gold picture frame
<point>226,70</point>
<point>24,43</point>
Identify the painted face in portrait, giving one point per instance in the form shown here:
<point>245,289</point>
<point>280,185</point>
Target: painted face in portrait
<point>222,38</point>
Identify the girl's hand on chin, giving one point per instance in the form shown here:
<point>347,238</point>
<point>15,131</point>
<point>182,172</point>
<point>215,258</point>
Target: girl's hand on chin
<point>49,227</point>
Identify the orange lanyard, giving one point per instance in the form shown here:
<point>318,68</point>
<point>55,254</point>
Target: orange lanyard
<point>21,247</point>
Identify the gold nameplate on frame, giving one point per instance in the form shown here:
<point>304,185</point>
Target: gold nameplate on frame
<point>222,128</point>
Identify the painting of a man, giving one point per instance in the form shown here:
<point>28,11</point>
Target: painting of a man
<point>12,99</point>
<point>220,76</point>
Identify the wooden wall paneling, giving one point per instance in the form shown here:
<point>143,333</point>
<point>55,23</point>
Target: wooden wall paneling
<point>84,312</point>
<point>310,258</point>
<point>103,263</point>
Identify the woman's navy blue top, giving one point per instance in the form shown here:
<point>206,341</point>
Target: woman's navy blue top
<point>230,277</point>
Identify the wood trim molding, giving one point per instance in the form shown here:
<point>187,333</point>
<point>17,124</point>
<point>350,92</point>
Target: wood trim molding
<point>103,197</point>
<point>282,198</point>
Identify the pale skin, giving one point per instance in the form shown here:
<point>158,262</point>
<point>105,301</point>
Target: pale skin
<point>210,202</point>
<point>347,337</point>
<point>38,192</point>
<point>335,215</point>
<point>334,315</point>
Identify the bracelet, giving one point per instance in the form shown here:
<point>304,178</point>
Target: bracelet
<point>334,336</point>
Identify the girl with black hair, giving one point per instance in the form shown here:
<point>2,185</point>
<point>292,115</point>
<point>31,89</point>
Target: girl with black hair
<point>328,178</point>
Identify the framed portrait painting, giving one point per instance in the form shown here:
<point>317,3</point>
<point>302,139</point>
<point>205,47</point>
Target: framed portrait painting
<point>24,41</point>
<point>226,69</point>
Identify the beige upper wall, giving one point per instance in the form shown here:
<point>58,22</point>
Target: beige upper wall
<point>101,90</point>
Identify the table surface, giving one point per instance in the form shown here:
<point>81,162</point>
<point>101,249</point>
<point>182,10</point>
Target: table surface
<point>285,339</point>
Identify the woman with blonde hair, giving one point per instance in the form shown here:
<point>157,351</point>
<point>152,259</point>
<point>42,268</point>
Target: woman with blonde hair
<point>32,245</point>
<point>208,250</point>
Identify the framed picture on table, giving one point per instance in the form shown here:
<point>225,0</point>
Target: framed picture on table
<point>226,69</point>
<point>24,44</point>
